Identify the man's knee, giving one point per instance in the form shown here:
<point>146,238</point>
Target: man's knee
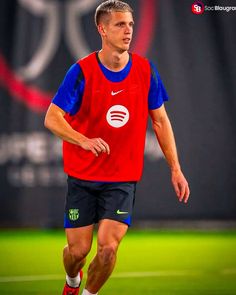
<point>77,252</point>
<point>107,253</point>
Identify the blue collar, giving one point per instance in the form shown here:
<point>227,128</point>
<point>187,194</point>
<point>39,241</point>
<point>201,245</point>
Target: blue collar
<point>116,76</point>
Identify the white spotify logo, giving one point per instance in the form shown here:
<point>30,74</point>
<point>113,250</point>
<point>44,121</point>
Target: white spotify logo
<point>117,116</point>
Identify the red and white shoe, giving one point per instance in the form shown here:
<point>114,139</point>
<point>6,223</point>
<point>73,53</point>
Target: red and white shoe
<point>70,290</point>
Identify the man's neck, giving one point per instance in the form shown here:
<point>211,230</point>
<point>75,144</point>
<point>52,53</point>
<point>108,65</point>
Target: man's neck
<point>114,61</point>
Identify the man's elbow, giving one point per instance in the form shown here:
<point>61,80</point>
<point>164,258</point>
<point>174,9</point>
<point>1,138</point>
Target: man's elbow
<point>48,122</point>
<point>53,118</point>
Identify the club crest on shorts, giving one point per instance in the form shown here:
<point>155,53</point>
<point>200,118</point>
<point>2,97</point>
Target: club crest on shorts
<point>117,116</point>
<point>73,214</point>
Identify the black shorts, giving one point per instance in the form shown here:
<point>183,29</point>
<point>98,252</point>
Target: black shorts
<point>88,202</point>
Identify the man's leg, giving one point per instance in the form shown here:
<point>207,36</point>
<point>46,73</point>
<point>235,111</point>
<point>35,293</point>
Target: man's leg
<point>110,234</point>
<point>74,255</point>
<point>79,244</point>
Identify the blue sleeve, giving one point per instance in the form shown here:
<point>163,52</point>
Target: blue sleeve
<point>70,93</point>
<point>157,93</point>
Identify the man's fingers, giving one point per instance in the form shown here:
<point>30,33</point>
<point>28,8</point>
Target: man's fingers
<point>184,192</point>
<point>98,146</point>
<point>177,190</point>
<point>187,194</point>
<point>105,146</point>
<point>94,151</point>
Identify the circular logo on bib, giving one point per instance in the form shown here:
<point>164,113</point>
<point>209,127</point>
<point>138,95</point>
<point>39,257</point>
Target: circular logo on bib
<point>117,116</point>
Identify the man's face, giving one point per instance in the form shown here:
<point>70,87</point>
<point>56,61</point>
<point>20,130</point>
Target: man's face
<point>118,31</point>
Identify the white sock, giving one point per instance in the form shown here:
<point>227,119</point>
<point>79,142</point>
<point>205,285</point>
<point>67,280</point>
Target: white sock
<point>73,282</point>
<point>86,292</point>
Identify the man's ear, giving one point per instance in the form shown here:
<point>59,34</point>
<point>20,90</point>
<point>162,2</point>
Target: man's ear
<point>101,29</point>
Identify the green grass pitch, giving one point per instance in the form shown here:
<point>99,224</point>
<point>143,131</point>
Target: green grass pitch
<point>149,262</point>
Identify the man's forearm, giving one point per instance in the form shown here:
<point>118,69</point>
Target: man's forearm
<point>165,137</point>
<point>55,122</point>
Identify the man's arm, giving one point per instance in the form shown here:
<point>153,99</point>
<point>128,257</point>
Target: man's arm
<point>57,124</point>
<point>164,133</point>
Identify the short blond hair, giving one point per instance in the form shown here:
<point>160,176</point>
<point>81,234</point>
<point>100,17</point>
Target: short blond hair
<point>105,8</point>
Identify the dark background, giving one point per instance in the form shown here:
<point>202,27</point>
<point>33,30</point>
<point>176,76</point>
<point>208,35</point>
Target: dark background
<point>195,55</point>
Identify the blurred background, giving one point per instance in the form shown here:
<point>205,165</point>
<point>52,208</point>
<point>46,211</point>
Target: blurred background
<point>195,55</point>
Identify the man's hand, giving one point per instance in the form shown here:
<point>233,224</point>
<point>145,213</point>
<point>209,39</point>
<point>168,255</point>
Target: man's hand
<point>95,145</point>
<point>180,185</point>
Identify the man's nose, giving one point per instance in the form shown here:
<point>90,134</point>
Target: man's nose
<point>128,29</point>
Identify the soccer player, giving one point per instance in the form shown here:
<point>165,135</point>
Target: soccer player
<point>100,111</point>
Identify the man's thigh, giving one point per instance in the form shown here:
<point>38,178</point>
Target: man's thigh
<point>80,238</point>
<point>110,232</point>
<point>116,202</point>
<point>80,205</point>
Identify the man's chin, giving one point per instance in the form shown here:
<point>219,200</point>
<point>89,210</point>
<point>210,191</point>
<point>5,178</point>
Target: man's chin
<point>124,48</point>
<point>127,46</point>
